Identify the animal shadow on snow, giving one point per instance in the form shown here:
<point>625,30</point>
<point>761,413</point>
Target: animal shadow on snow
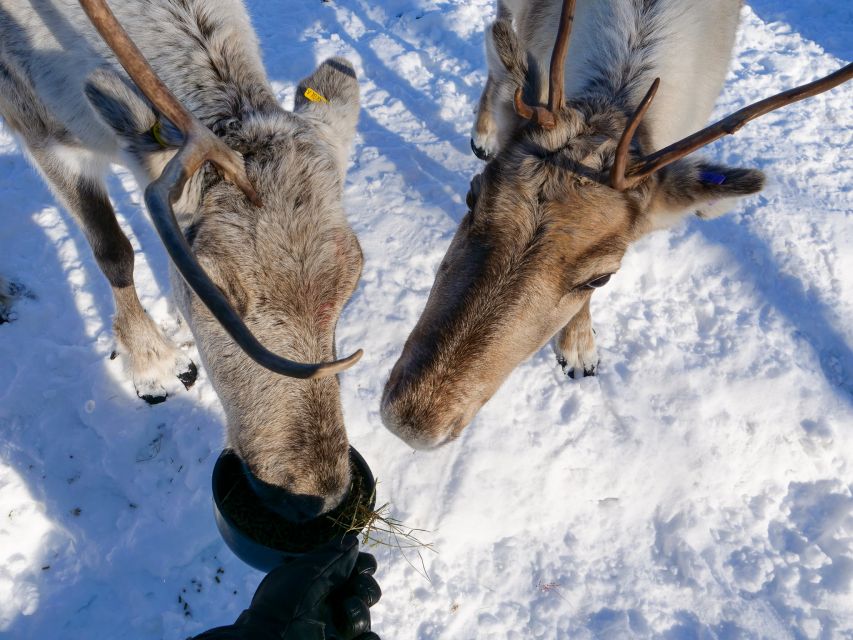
<point>786,294</point>
<point>435,183</point>
<point>418,170</point>
<point>828,23</point>
<point>68,37</point>
<point>117,478</point>
<point>421,105</point>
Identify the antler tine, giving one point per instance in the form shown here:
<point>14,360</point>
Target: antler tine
<point>200,145</point>
<point>732,124</point>
<point>539,115</point>
<point>620,163</point>
<point>546,117</point>
<point>556,77</point>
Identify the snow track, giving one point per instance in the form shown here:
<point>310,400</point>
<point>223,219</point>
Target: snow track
<point>700,487</point>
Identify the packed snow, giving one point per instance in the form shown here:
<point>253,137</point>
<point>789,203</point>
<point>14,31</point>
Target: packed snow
<point>699,487</point>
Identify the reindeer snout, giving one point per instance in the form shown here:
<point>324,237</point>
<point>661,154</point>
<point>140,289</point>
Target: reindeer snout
<point>423,419</point>
<point>294,506</point>
<point>412,431</point>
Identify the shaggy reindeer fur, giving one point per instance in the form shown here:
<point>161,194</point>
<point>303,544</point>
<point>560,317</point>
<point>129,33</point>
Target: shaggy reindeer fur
<point>545,228</point>
<point>288,267</point>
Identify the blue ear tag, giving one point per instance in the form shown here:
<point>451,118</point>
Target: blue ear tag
<point>712,178</point>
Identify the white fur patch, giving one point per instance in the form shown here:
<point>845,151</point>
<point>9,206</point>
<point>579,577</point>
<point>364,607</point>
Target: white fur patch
<point>155,372</point>
<point>80,162</point>
<point>155,364</point>
<point>715,208</point>
<point>578,357</point>
<point>577,351</point>
<point>486,142</point>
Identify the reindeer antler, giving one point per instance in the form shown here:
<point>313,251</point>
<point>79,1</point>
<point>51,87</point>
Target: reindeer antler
<point>546,116</point>
<point>729,125</point>
<point>620,163</point>
<point>200,146</point>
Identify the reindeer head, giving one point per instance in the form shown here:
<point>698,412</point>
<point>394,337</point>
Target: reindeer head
<point>550,219</point>
<point>288,268</point>
<point>254,280</point>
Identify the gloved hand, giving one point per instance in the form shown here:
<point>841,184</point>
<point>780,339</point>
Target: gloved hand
<point>323,595</point>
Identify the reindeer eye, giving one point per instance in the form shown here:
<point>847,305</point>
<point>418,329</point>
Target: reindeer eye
<point>598,282</point>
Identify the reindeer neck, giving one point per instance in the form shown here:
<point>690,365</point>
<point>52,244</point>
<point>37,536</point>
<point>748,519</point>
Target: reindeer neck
<point>619,47</point>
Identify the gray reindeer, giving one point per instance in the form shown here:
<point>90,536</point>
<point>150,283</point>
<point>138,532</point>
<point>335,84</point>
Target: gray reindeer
<point>245,195</point>
<point>569,185</point>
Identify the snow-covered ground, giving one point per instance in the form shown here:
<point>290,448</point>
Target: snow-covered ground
<point>700,487</point>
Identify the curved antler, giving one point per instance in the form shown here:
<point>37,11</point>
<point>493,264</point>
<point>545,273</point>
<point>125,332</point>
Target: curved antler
<point>200,146</point>
<point>546,117</point>
<point>557,77</point>
<point>620,163</point>
<point>539,115</point>
<point>729,125</point>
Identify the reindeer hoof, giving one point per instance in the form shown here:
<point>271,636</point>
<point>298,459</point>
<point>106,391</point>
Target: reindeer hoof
<point>151,390</point>
<point>189,376</point>
<point>576,372</point>
<point>154,399</point>
<point>156,366</point>
<point>480,152</point>
<point>587,372</point>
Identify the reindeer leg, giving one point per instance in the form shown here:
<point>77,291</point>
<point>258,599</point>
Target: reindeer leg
<point>154,361</point>
<point>75,176</point>
<point>574,345</point>
<point>484,134</point>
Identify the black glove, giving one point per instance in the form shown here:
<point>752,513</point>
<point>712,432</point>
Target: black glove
<point>323,595</point>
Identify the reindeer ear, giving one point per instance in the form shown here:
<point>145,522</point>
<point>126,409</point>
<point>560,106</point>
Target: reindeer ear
<point>510,69</point>
<point>707,189</point>
<point>506,59</point>
<point>331,95</point>
<point>125,110</point>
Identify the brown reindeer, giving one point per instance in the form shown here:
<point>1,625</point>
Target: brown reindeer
<point>571,183</point>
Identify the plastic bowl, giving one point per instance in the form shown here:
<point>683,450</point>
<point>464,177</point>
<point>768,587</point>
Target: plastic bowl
<point>264,539</point>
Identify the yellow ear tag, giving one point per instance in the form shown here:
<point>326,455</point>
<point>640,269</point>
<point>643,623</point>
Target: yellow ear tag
<point>157,134</point>
<point>313,96</point>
